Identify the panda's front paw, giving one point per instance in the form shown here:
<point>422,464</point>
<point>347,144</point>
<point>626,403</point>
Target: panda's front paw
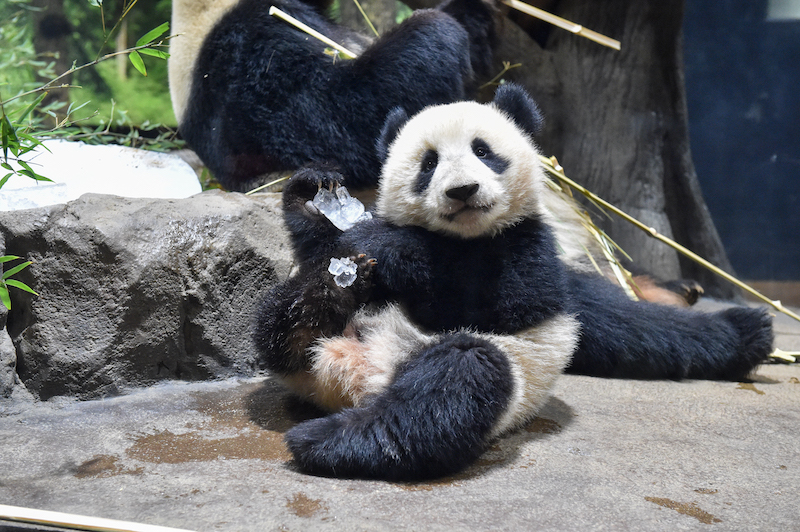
<point>306,182</point>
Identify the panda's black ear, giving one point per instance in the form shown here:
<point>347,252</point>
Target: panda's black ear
<point>395,121</point>
<point>520,107</point>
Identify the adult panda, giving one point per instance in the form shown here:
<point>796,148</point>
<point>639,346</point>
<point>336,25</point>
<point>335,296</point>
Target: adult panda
<point>254,95</point>
<point>463,312</point>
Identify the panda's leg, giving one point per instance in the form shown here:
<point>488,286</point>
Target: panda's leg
<point>625,338</point>
<point>479,18</point>
<point>433,419</point>
<point>304,308</point>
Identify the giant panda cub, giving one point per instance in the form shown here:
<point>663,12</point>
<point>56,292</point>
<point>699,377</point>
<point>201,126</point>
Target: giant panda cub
<point>254,95</point>
<point>463,311</point>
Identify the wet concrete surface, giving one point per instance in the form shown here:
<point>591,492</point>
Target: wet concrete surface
<point>602,455</point>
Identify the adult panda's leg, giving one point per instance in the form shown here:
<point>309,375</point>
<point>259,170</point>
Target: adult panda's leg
<point>434,418</point>
<point>625,338</point>
<point>478,17</point>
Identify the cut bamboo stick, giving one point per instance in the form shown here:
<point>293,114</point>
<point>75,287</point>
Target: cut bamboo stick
<point>275,12</point>
<point>563,23</point>
<point>77,522</point>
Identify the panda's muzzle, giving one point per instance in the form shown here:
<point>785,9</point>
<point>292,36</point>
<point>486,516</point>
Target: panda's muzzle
<point>465,200</point>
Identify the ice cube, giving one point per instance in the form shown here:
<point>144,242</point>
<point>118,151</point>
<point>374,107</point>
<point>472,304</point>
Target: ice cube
<point>343,271</point>
<point>340,208</point>
<point>326,202</point>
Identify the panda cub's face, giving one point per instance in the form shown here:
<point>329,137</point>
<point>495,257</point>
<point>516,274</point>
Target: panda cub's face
<point>462,169</point>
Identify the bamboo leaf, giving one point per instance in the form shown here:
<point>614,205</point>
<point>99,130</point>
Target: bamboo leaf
<point>29,172</point>
<point>137,62</point>
<point>33,140</point>
<point>21,286</point>
<point>153,34</point>
<point>31,107</point>
<point>7,258</point>
<point>5,179</point>
<point>5,126</point>
<point>16,269</point>
<point>155,53</point>
<point>4,297</point>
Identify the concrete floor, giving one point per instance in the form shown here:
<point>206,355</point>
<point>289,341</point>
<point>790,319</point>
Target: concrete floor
<point>602,455</point>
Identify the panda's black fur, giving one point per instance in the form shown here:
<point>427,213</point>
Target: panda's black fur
<point>258,96</point>
<point>483,308</point>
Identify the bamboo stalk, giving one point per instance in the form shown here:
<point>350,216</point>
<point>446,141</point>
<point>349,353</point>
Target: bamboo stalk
<point>262,187</point>
<point>78,522</point>
<point>563,23</point>
<point>552,166</point>
<point>366,18</point>
<point>274,11</point>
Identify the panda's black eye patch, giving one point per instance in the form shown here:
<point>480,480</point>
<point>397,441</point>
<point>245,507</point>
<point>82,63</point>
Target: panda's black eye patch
<point>428,166</point>
<point>483,152</point>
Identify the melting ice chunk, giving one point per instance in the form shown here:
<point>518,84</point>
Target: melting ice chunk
<point>343,271</point>
<point>343,210</point>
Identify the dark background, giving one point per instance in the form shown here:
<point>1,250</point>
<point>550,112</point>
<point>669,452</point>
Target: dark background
<point>743,92</point>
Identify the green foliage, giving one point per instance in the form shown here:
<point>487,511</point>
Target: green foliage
<point>7,281</point>
<point>16,139</point>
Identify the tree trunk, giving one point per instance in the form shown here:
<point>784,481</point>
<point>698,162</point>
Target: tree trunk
<point>121,42</point>
<point>50,40</point>
<point>617,121</point>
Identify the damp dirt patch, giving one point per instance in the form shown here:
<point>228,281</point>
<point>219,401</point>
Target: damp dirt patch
<point>103,466</point>
<point>543,425</point>
<point>685,508</point>
<point>749,386</point>
<point>229,431</point>
<point>302,505</point>
<point>198,446</point>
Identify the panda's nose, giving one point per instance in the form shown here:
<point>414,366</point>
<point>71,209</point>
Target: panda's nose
<point>462,193</point>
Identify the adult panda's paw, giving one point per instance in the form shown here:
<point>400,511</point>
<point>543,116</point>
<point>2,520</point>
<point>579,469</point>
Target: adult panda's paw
<point>304,185</point>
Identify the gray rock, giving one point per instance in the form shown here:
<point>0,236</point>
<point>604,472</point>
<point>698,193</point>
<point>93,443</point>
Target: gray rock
<point>8,357</point>
<point>133,291</point>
